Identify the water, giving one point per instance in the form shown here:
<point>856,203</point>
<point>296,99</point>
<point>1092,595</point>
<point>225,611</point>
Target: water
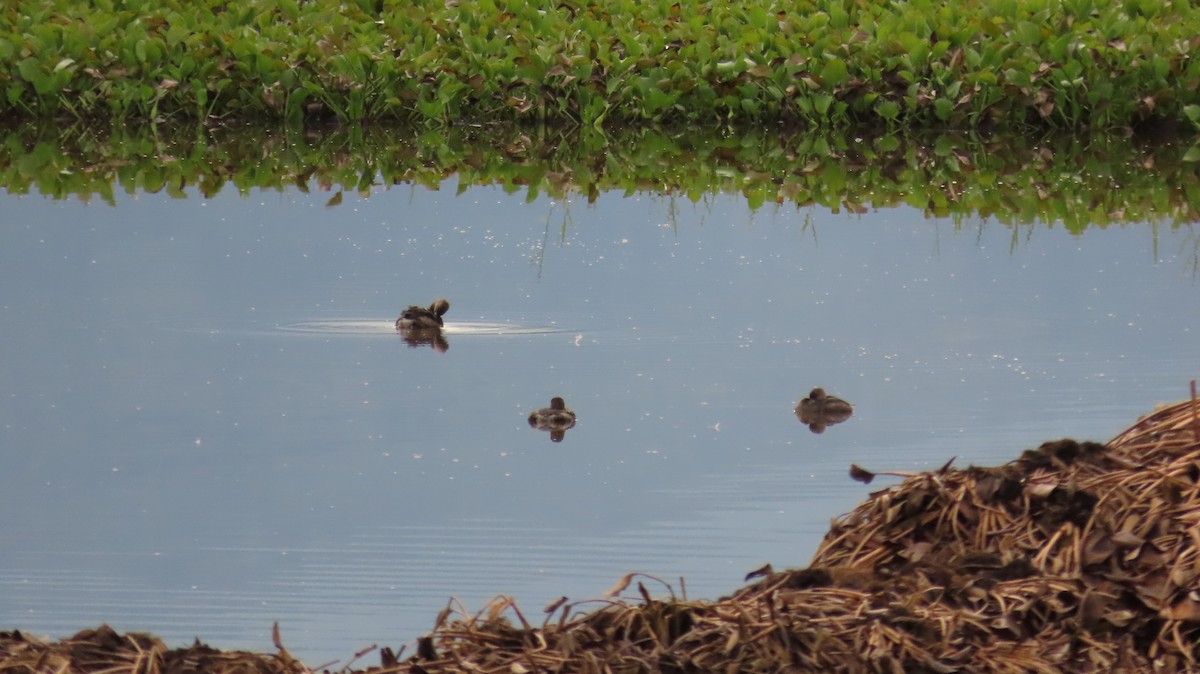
<point>210,425</point>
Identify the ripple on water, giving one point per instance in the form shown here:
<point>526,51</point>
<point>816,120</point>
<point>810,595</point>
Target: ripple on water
<point>370,327</point>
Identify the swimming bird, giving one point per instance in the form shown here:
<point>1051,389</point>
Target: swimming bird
<point>556,418</point>
<point>420,318</point>
<point>819,410</point>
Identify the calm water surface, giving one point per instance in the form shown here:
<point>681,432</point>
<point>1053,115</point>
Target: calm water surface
<point>209,425</point>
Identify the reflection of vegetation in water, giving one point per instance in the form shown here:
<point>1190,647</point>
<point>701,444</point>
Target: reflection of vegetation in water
<point>539,253</point>
<point>1189,248</point>
<point>809,226</point>
<point>1072,181</point>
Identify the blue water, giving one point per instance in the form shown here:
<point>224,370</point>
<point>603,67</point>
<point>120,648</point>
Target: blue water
<point>208,425</point>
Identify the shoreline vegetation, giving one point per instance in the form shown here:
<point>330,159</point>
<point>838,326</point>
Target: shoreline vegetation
<point>976,64</point>
<point>1076,557</point>
<point>1071,180</point>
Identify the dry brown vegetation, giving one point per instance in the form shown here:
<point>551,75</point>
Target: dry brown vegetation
<point>1076,557</point>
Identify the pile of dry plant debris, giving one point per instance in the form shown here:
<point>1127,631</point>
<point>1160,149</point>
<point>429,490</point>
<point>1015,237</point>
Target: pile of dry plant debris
<point>1076,557</point>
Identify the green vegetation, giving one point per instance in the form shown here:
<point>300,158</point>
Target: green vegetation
<point>1076,181</point>
<point>918,63</point>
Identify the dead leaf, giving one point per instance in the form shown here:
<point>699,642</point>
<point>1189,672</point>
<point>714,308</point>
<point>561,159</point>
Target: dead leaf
<point>1187,610</point>
<point>764,570</point>
<point>861,474</point>
<point>620,586</point>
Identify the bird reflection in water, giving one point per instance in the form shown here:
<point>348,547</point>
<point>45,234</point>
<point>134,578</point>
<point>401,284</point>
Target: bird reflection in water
<point>420,325</point>
<point>556,418</point>
<point>820,410</point>
<point>419,338</point>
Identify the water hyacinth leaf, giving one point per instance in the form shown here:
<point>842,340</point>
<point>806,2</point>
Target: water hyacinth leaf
<point>385,52</point>
<point>888,110</point>
<point>834,72</point>
<point>1161,66</point>
<point>30,70</point>
<point>1073,69</point>
<point>294,105</point>
<point>888,144</point>
<point>821,104</point>
<point>200,93</point>
<point>1027,33</point>
<point>1017,78</point>
<point>944,109</point>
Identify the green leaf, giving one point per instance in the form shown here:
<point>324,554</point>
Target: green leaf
<point>30,70</point>
<point>888,110</point>
<point>943,108</point>
<point>1027,33</point>
<point>834,73</point>
<point>821,103</point>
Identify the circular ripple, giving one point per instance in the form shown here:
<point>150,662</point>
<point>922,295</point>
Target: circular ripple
<point>366,327</point>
